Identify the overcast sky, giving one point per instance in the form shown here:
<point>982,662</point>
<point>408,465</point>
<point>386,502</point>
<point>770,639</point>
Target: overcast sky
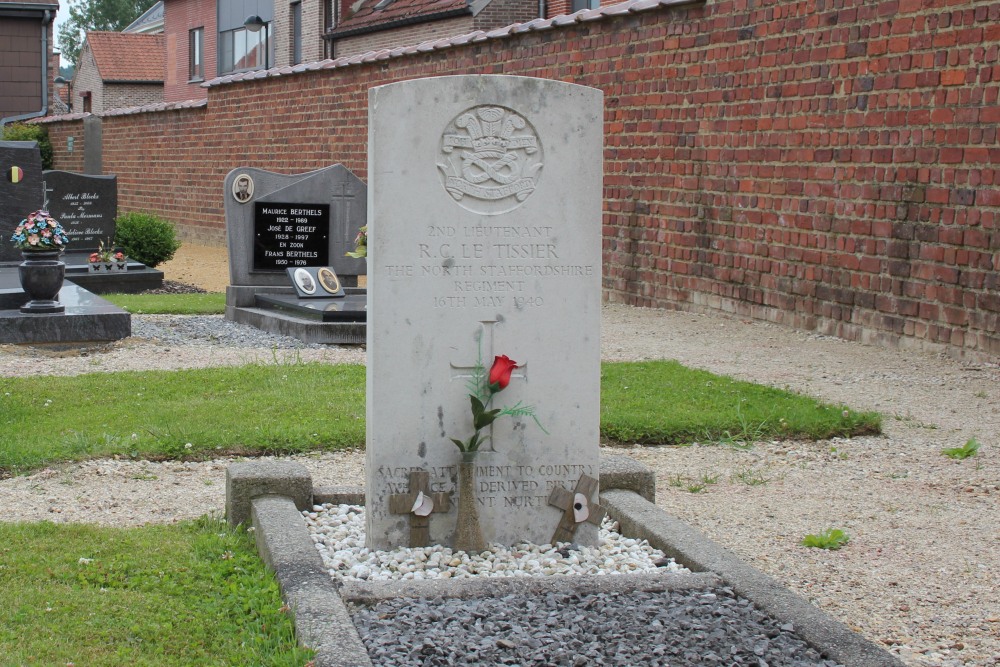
<point>60,17</point>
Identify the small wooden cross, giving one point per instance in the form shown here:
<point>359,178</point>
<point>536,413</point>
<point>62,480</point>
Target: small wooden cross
<point>577,508</point>
<point>430,503</point>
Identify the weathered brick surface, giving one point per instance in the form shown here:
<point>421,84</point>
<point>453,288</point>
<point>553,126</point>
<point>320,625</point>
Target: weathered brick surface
<point>829,164</point>
<point>183,16</point>
<point>412,34</point>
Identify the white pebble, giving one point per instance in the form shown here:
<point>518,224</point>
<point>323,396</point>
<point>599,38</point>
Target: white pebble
<point>339,534</point>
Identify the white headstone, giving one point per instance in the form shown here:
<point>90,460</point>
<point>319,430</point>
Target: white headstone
<point>484,239</point>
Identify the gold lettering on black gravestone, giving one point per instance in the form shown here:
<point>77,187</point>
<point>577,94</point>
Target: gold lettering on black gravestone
<point>289,235</point>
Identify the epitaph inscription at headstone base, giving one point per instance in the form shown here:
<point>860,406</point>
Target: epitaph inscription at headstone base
<point>20,190</point>
<point>484,240</point>
<point>275,222</point>
<point>86,205</point>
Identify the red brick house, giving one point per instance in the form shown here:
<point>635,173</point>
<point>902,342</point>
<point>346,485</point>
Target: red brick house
<point>117,70</point>
<point>27,63</point>
<point>189,28</point>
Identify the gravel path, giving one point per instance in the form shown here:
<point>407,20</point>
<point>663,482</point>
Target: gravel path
<point>919,575</point>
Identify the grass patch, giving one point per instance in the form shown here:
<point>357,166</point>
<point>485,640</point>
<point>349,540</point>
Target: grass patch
<point>295,407</point>
<point>170,304</point>
<point>181,414</point>
<point>189,594</point>
<point>664,402</point>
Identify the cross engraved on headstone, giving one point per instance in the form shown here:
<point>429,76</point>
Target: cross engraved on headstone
<point>406,503</point>
<point>577,508</point>
<point>45,195</point>
<point>469,372</point>
<point>342,201</point>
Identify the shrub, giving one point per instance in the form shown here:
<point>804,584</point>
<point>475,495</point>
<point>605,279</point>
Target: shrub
<point>146,238</point>
<point>39,133</point>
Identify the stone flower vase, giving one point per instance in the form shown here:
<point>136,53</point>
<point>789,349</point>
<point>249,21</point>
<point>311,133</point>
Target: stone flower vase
<point>468,534</point>
<point>42,273</point>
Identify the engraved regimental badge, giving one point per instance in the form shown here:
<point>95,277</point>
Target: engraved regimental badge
<point>492,159</point>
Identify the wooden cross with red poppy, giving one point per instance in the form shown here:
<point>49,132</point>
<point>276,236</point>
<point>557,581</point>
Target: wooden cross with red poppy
<point>577,508</point>
<point>419,503</point>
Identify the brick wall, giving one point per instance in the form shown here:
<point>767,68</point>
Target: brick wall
<point>412,34</point>
<point>59,134</point>
<point>121,95</point>
<point>87,79</point>
<point>828,164</point>
<point>500,13</point>
<point>312,31</point>
<point>180,17</point>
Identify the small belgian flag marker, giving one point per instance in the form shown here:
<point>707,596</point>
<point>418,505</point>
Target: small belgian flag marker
<point>16,175</point>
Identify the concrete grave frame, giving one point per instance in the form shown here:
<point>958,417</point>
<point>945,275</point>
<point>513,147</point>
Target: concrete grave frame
<point>271,494</point>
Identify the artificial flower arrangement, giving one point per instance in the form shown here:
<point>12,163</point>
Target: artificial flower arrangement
<point>39,232</point>
<point>482,389</point>
<point>109,258</point>
<point>360,244</point>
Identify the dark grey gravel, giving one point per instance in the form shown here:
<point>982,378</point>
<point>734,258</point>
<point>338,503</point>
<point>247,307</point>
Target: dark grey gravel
<point>703,628</point>
<point>210,330</point>
<point>175,287</point>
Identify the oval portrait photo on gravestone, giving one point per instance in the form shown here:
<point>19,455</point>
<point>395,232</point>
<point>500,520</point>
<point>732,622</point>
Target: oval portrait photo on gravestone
<point>243,188</point>
<point>328,280</point>
<point>491,159</point>
<point>305,281</point>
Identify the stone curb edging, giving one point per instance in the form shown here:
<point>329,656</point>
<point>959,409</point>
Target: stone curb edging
<point>320,615</point>
<point>323,623</point>
<point>639,518</point>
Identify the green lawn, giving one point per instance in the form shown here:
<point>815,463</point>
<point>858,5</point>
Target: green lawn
<point>189,594</point>
<point>196,593</point>
<point>170,304</point>
<point>297,407</point>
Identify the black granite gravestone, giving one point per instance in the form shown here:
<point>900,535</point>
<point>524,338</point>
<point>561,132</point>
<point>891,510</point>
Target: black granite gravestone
<point>276,222</point>
<point>85,205</point>
<point>20,190</point>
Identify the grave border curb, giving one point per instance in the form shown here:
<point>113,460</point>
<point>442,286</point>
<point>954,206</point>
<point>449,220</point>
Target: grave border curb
<point>322,622</point>
<point>320,615</point>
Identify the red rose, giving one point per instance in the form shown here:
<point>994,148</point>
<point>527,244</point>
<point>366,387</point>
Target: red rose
<point>503,366</point>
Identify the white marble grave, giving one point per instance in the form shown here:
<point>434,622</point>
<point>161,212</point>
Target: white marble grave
<point>484,239</point>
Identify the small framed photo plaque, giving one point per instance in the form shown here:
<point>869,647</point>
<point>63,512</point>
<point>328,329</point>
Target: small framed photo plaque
<point>317,282</point>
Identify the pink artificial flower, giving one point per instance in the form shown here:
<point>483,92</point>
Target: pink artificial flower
<point>33,239</point>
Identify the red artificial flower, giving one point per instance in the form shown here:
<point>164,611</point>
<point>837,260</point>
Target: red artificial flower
<point>503,366</point>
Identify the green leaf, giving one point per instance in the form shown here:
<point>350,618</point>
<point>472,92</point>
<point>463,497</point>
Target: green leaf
<point>971,448</point>
<point>459,444</point>
<point>477,406</point>
<point>486,419</point>
<point>832,539</point>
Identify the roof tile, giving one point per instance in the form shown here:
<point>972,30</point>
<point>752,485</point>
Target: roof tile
<point>124,56</point>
